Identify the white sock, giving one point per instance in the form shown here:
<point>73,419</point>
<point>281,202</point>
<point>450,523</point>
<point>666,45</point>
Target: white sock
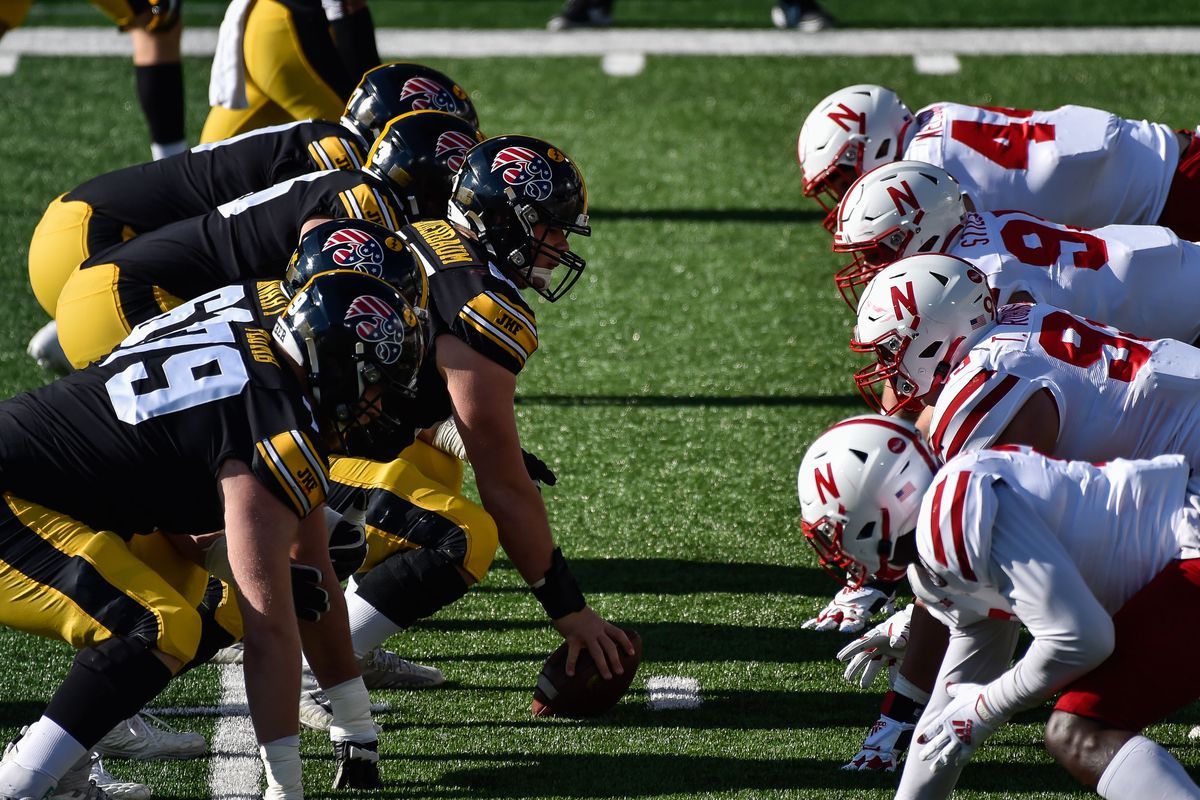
<point>1143,769</point>
<point>351,712</point>
<point>41,758</point>
<point>162,150</point>
<point>281,758</point>
<point>368,627</point>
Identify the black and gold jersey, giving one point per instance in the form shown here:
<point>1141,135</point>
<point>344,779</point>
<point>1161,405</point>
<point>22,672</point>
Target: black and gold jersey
<point>251,237</point>
<point>146,197</point>
<point>135,442</point>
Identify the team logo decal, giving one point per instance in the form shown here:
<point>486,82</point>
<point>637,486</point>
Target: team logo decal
<point>353,249</point>
<point>896,445</point>
<point>456,143</point>
<point>426,93</point>
<point>524,169</point>
<point>378,323</point>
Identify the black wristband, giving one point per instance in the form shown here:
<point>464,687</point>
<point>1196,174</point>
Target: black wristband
<point>558,592</point>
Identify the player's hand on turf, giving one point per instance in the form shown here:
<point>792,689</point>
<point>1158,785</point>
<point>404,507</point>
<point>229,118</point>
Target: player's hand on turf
<point>882,749</point>
<point>966,721</point>
<point>877,649</point>
<point>585,629</point>
<point>357,765</point>
<point>850,609</point>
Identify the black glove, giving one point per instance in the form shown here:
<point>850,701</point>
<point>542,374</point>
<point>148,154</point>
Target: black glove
<point>348,539</point>
<point>357,765</point>
<point>539,473</point>
<point>308,595</point>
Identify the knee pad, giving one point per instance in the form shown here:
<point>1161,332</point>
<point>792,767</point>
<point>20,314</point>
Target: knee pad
<point>412,584</point>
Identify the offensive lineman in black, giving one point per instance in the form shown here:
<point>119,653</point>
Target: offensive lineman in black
<point>407,176</point>
<point>202,421</point>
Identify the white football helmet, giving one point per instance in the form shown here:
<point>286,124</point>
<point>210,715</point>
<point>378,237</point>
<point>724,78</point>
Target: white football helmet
<point>848,133</point>
<point>860,487</point>
<point>918,317</point>
<point>893,211</point>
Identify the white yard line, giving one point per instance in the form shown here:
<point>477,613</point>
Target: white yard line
<point>673,693</point>
<point>936,63</point>
<point>234,770</point>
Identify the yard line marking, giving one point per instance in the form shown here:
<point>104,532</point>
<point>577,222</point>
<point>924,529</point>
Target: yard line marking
<point>227,709</point>
<point>623,64</point>
<point>936,64</point>
<point>234,771</point>
<point>673,693</point>
<point>8,63</point>
<point>467,43</point>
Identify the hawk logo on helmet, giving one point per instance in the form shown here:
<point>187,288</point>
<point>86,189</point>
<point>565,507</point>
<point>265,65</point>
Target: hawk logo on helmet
<point>353,249</point>
<point>428,93</point>
<point>523,168</point>
<point>456,143</point>
<point>377,323</point>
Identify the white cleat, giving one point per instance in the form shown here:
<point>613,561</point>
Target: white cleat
<point>113,786</point>
<point>234,654</point>
<point>46,351</point>
<point>137,738</point>
<point>77,784</point>
<point>382,669</point>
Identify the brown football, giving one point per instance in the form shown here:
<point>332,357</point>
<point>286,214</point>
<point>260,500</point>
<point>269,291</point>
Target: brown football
<point>587,694</point>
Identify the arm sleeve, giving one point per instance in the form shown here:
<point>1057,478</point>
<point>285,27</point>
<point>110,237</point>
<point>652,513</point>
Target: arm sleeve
<point>1072,633</point>
<point>976,653</point>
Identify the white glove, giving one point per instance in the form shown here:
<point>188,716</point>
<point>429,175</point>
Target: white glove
<point>880,647</point>
<point>882,749</point>
<point>850,609</point>
<point>966,721</point>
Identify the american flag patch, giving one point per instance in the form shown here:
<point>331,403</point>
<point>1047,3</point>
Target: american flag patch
<point>979,321</point>
<point>905,491</point>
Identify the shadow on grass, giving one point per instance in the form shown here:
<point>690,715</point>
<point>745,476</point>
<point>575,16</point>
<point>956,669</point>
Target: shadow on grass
<point>769,216</point>
<point>671,401</point>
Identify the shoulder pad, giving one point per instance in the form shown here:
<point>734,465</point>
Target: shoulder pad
<point>954,528</point>
<point>335,152</point>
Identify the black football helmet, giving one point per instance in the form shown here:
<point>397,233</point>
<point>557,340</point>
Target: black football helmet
<point>360,245</point>
<point>417,155</point>
<point>509,184</point>
<point>390,90</point>
<point>351,333</point>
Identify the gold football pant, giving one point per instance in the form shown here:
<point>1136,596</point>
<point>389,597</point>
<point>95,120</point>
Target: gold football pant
<point>97,309</point>
<point>408,509</point>
<point>69,233</point>
<point>63,580</point>
<point>291,72</point>
<point>13,12</point>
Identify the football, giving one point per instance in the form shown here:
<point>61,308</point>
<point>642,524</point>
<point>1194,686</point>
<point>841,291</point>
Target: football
<point>587,694</point>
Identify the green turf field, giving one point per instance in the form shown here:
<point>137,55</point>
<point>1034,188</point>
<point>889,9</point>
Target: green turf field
<point>673,394</point>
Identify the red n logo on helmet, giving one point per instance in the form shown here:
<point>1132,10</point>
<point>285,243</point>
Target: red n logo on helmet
<point>844,115</point>
<point>903,198</point>
<point>825,482</point>
<point>907,298</point>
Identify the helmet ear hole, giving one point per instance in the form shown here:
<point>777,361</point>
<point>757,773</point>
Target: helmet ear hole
<point>883,150</point>
<point>931,350</point>
<point>866,531</point>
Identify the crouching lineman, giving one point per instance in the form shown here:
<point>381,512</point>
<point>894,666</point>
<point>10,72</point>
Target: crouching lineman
<point>203,420</point>
<point>514,202</point>
<point>112,208</point>
<point>1002,538</point>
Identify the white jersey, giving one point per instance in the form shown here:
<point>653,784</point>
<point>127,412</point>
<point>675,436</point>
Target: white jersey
<point>1009,537</point>
<point>1139,278</point>
<point>1077,165</point>
<point>1117,396</point>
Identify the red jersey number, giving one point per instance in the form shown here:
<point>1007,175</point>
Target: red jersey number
<point>1042,245</point>
<point>1006,145</point>
<point>1082,344</point>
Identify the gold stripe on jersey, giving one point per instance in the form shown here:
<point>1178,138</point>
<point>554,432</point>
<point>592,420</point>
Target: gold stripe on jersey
<point>444,240</point>
<point>165,300</point>
<point>502,323</point>
<point>271,298</point>
<point>364,202</point>
<point>297,468</point>
<point>334,152</point>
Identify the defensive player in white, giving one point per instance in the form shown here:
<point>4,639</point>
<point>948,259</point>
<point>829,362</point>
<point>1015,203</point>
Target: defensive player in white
<point>1004,538</point>
<point>1137,277</point>
<point>1072,164</point>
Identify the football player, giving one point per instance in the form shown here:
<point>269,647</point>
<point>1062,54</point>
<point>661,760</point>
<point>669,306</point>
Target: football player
<point>1136,172</point>
<point>202,421</point>
<point>514,202</point>
<point>1094,561</point>
<point>112,208</point>
<point>407,177</point>
<point>276,60</point>
<point>1136,277</point>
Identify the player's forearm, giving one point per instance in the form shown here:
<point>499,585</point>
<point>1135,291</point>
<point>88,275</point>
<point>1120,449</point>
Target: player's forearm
<point>1048,665</point>
<point>521,522</point>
